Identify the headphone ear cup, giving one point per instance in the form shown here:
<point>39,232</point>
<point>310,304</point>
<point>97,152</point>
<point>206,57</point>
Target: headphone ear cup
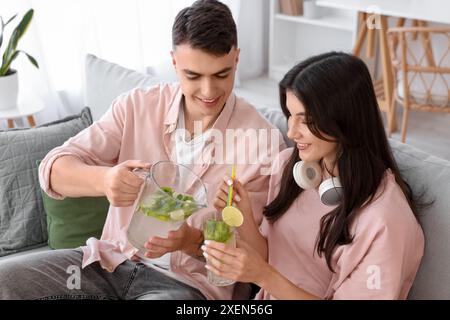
<point>296,173</point>
<point>331,191</point>
<point>307,175</point>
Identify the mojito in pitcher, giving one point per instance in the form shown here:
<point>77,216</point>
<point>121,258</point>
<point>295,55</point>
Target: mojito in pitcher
<point>170,194</point>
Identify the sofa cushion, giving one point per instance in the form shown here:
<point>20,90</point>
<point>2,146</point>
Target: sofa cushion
<point>429,175</point>
<point>22,218</point>
<point>105,81</point>
<point>71,221</point>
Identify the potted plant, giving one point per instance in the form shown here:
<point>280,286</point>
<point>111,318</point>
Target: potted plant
<point>8,76</point>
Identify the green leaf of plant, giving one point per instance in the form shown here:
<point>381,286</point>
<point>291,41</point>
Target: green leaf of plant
<point>32,60</point>
<point>7,63</point>
<point>20,30</point>
<point>11,19</point>
<point>2,27</point>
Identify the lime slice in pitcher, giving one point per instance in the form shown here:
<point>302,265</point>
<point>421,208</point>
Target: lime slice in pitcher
<point>176,215</point>
<point>232,216</point>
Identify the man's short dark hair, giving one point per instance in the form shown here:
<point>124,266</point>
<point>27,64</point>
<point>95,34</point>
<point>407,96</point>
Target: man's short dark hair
<point>207,25</point>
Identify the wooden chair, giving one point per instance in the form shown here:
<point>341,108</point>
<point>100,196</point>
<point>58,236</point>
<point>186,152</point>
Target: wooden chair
<point>384,85</point>
<point>420,59</point>
<point>369,36</point>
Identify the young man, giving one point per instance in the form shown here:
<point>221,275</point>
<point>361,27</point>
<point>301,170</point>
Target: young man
<point>140,129</point>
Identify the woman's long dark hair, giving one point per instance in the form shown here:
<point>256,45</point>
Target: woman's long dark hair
<point>337,93</point>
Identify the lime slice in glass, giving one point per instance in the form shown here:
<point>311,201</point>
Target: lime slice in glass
<point>232,216</point>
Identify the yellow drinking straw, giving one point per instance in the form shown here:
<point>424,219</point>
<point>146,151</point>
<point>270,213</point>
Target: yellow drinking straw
<point>230,215</point>
<point>230,188</point>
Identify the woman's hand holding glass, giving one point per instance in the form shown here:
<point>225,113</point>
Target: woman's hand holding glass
<point>242,264</point>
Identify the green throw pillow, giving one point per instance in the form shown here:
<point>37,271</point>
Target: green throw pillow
<point>71,221</point>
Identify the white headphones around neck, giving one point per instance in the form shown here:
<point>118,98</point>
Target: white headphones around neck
<point>308,175</point>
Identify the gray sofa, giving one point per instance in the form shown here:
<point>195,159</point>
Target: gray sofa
<point>424,173</point>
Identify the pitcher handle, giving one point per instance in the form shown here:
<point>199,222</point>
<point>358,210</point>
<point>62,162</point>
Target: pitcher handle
<point>141,173</point>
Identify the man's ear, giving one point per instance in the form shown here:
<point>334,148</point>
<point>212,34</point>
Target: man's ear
<point>238,52</point>
<point>174,61</point>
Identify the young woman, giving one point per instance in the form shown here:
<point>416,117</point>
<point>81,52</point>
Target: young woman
<point>340,222</point>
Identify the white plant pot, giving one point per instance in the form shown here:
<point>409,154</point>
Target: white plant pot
<point>9,90</point>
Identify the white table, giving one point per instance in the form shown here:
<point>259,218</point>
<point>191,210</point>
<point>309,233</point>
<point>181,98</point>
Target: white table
<point>24,109</point>
<point>428,10</point>
<point>418,10</point>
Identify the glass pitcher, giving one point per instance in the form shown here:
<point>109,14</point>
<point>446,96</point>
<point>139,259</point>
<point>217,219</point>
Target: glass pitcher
<point>170,194</point>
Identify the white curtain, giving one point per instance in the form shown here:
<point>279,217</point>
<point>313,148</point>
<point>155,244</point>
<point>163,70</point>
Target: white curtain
<point>132,33</point>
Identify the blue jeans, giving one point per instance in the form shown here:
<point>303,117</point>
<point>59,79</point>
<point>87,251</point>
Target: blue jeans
<point>58,275</point>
